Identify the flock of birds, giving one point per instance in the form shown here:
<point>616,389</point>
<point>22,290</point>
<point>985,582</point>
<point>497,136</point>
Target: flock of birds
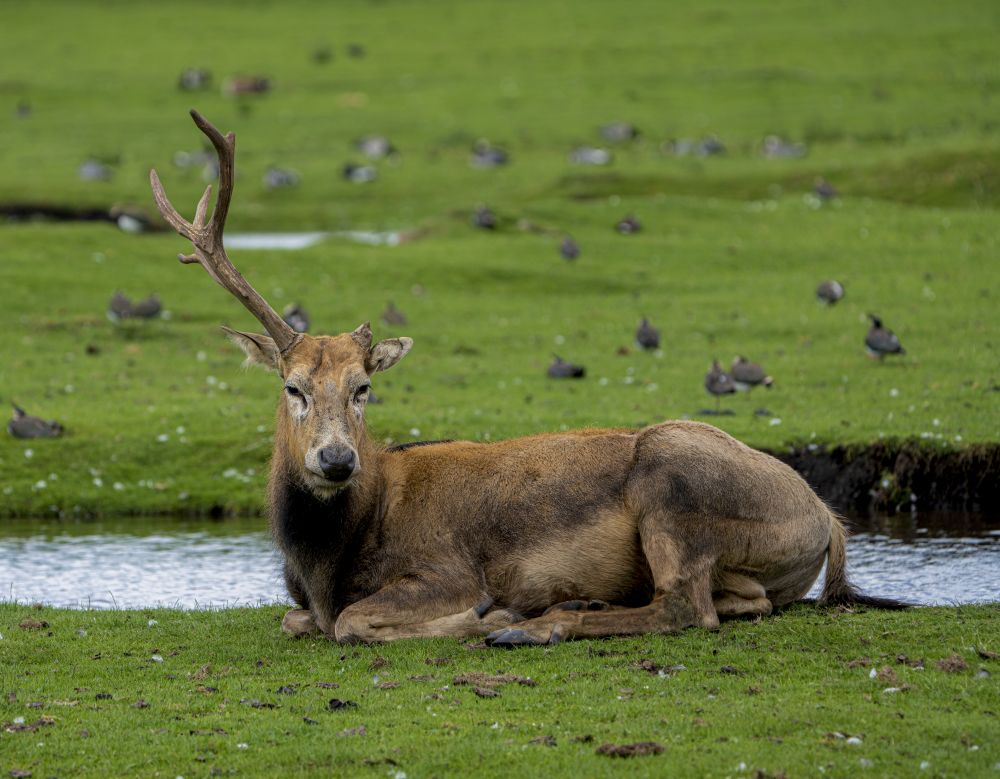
<point>743,374</point>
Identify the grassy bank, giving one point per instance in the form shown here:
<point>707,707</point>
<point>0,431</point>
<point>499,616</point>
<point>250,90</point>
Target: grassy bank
<point>160,418</point>
<point>171,693</point>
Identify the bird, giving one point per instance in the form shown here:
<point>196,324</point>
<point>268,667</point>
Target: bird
<point>486,155</point>
<point>23,425</point>
<point>830,292</point>
<point>375,147</point>
<point>619,132</point>
<point>628,225</point>
<point>718,383</point>
<point>148,308</point>
<point>193,79</point>
<point>359,174</point>
<point>321,55</point>
<point>246,85</point>
<point>746,375</point>
<point>392,315</point>
<point>881,341</point>
<point>775,147</point>
<point>590,155</point>
<point>355,51</point>
<point>278,178</point>
<point>296,317</point>
<point>569,249</point>
<point>130,220</point>
<point>95,170</point>
<point>647,336</point>
<point>824,190</point>
<point>560,369</point>
<point>484,218</point>
<point>119,307</point>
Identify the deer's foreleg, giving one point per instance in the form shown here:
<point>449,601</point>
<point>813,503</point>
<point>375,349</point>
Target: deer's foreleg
<point>415,608</point>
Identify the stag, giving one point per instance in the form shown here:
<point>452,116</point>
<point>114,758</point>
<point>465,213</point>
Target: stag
<point>529,541</point>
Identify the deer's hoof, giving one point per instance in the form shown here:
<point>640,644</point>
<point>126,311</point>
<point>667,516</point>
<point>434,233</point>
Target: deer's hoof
<point>507,638</point>
<point>299,622</point>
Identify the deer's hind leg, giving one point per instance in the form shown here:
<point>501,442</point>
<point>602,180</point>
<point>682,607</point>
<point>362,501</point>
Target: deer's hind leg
<point>682,595</point>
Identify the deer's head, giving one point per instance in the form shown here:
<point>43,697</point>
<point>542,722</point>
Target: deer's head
<point>325,379</point>
<point>325,387</point>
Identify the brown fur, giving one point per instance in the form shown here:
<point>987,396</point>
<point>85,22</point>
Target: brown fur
<point>673,525</point>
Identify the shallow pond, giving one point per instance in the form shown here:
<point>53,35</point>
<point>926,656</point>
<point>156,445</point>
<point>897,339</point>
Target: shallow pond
<point>140,562</point>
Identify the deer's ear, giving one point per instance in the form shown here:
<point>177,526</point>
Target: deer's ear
<point>383,355</point>
<point>259,349</point>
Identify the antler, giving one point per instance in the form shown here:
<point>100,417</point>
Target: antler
<point>209,251</point>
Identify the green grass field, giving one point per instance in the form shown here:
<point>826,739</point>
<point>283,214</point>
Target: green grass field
<point>901,117</point>
<point>167,693</point>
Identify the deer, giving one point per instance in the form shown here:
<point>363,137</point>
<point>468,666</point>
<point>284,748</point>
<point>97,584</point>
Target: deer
<point>533,540</point>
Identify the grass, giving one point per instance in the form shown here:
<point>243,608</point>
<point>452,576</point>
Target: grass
<point>160,418</point>
<point>765,699</point>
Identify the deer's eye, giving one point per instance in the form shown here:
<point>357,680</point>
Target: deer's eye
<point>361,392</point>
<point>294,391</point>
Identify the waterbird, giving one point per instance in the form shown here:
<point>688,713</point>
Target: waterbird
<point>484,218</point>
<point>296,317</point>
<point>246,85</point>
<point>94,170</point>
<point>718,383</point>
<point>590,155</point>
<point>279,178</point>
<point>824,190</point>
<point>881,341</point>
<point>149,308</point>
<point>486,155</point>
<point>359,174</point>
<point>619,132</point>
<point>776,147</point>
<point>193,79</point>
<point>131,220</point>
<point>830,292</point>
<point>560,369</point>
<point>628,225</point>
<point>375,146</point>
<point>569,249</point>
<point>393,316</point>
<point>746,375</point>
<point>119,307</point>
<point>647,336</point>
<point>23,425</point>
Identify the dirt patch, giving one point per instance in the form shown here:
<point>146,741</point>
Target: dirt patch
<point>899,476</point>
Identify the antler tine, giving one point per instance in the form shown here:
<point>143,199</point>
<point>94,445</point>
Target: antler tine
<point>209,250</point>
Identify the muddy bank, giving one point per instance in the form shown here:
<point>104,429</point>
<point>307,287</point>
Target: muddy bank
<point>901,476</point>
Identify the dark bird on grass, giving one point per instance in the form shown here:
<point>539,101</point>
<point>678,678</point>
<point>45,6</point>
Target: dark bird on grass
<point>296,318</point>
<point>150,308</point>
<point>484,218</point>
<point>359,174</point>
<point>746,375</point>
<point>830,292</point>
<point>375,146</point>
<point>628,225</point>
<point>647,336</point>
<point>486,155</point>
<point>560,369</point>
<point>824,190</point>
<point>881,341</point>
<point>321,55</point>
<point>280,178</point>
<point>23,425</point>
<point>120,307</point>
<point>355,51</point>
<point>246,85</point>
<point>193,79</point>
<point>619,132</point>
<point>23,109</point>
<point>569,249</point>
<point>393,316</point>
<point>718,383</point>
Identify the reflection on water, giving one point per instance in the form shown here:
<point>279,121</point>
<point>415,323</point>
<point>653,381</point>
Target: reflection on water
<point>143,562</point>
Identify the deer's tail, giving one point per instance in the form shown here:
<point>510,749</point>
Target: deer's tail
<point>838,590</point>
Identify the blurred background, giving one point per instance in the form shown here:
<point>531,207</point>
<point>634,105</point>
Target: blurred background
<point>505,183</point>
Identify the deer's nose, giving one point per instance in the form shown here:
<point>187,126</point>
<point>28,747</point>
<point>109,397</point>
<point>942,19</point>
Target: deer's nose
<point>336,462</point>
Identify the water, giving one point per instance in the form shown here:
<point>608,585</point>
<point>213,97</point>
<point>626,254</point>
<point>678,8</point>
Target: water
<point>293,241</point>
<point>141,562</point>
